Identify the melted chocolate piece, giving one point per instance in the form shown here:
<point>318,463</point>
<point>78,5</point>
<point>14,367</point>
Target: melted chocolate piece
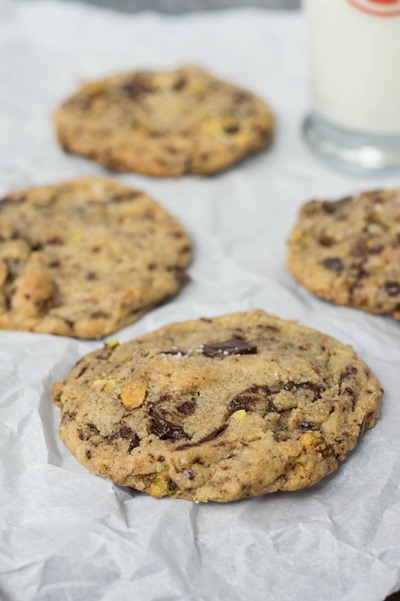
<point>316,389</point>
<point>178,85</point>
<point>350,370</point>
<point>135,88</point>
<point>130,195</point>
<point>392,288</point>
<point>333,263</point>
<point>331,207</point>
<point>165,429</point>
<point>93,428</point>
<point>233,346</point>
<point>99,315</point>
<point>232,129</point>
<point>81,372</point>
<point>241,402</point>
<point>190,474</point>
<point>127,433</point>
<point>307,426</point>
<point>182,277</point>
<point>187,408</point>
<point>212,435</point>
<point>207,438</point>
<point>54,241</point>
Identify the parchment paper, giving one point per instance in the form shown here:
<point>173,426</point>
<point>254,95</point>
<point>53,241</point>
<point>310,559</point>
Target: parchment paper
<point>68,535</point>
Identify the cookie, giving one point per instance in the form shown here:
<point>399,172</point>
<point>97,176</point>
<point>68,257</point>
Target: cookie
<point>348,251</point>
<point>164,123</point>
<point>218,409</point>
<point>85,257</point>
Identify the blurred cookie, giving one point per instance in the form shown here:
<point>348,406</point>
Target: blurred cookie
<point>218,409</point>
<point>85,257</point>
<point>164,123</point>
<point>348,251</point>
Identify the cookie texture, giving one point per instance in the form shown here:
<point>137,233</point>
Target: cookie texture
<point>348,251</point>
<point>218,409</point>
<point>86,257</point>
<point>164,123</point>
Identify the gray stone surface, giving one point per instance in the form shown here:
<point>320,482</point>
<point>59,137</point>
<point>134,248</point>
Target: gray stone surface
<point>178,6</point>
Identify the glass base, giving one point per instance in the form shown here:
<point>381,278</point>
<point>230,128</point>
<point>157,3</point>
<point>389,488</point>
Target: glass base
<point>355,153</point>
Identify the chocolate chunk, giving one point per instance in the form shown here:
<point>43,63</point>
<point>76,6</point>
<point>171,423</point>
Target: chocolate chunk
<point>182,277</point>
<point>164,429</point>
<point>392,288</point>
<point>180,83</point>
<point>129,434</point>
<point>99,315</point>
<point>123,196</point>
<point>135,88</point>
<point>241,402</point>
<point>233,346</point>
<point>54,264</point>
<point>307,426</point>
<point>82,371</point>
<point>55,241</point>
<point>187,408</point>
<point>207,438</point>
<point>212,434</point>
<point>93,428</point>
<point>190,474</point>
<point>91,275</point>
<point>331,207</point>
<point>316,389</point>
<point>232,129</point>
<point>350,370</point>
<point>240,97</point>
<point>88,454</point>
<point>325,240</point>
<point>333,263</point>
<point>70,323</point>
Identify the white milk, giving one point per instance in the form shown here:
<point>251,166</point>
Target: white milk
<point>355,63</point>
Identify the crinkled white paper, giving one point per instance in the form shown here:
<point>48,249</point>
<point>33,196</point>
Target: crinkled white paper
<point>68,535</point>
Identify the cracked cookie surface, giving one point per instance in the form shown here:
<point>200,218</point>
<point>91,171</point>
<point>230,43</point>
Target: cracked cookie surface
<point>218,409</point>
<point>348,251</point>
<point>85,257</point>
<point>164,123</point>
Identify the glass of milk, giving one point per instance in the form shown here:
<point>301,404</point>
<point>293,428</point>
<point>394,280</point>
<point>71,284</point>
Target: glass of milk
<point>354,48</point>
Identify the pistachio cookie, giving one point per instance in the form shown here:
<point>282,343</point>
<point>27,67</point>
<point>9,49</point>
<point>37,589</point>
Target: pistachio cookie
<point>164,123</point>
<point>218,409</point>
<point>348,251</point>
<point>85,257</point>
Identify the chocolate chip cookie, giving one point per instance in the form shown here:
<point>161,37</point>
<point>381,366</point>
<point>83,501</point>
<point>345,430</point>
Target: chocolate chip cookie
<point>86,257</point>
<point>348,251</point>
<point>218,409</point>
<point>164,123</point>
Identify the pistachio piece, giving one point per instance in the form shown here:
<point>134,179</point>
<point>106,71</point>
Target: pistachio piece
<point>162,486</point>
<point>310,441</point>
<point>240,415</point>
<point>134,393</point>
<point>104,385</point>
<point>112,343</point>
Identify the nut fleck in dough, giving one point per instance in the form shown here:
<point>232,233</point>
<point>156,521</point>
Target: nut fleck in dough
<point>223,408</point>
<point>85,257</point>
<point>348,251</point>
<point>164,123</point>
